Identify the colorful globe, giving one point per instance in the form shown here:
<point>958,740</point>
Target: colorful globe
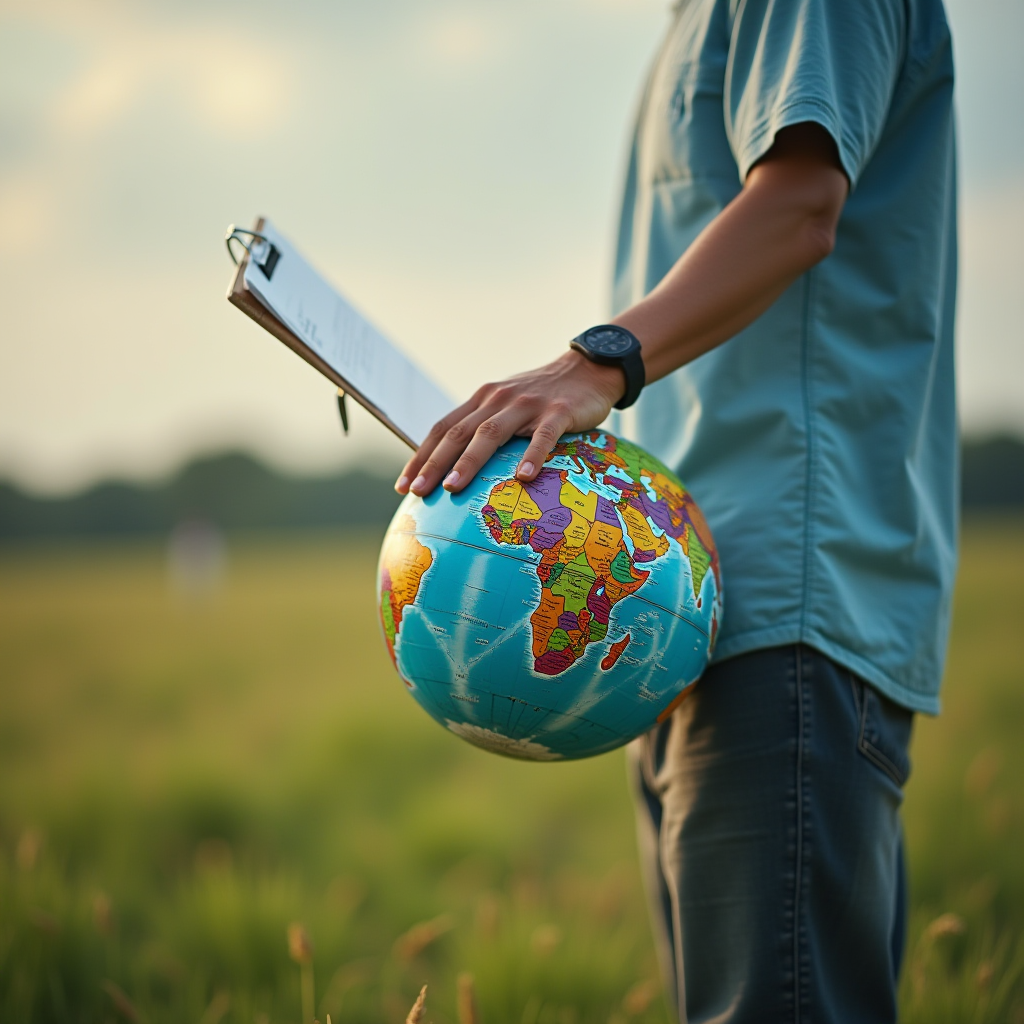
<point>555,619</point>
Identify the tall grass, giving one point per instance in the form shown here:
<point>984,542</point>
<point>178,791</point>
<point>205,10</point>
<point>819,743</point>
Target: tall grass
<point>181,780</point>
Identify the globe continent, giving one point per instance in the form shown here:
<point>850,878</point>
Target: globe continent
<point>554,619</point>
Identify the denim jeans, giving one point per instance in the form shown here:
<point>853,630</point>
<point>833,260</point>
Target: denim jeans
<point>770,840</point>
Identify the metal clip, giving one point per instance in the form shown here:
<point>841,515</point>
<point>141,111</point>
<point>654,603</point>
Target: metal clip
<point>261,250</point>
<point>343,411</point>
<point>234,234</point>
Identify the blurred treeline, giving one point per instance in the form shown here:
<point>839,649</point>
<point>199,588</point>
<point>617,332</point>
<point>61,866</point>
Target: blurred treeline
<point>236,491</point>
<point>233,491</point>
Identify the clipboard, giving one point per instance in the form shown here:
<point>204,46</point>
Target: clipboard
<point>288,298</point>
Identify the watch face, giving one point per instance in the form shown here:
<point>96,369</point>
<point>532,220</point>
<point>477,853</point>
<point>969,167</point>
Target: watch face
<point>607,342</point>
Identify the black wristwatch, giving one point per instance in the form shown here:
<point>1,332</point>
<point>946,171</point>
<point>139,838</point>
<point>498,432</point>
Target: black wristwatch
<point>615,346</point>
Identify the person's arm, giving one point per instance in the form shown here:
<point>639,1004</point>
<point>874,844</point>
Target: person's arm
<point>781,224</point>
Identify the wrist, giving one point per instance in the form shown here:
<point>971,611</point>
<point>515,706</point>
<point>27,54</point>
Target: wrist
<point>615,347</point>
<point>607,381</point>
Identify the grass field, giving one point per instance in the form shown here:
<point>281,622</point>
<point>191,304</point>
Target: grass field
<point>182,779</point>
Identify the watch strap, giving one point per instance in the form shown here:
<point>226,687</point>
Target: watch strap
<point>633,367</point>
<point>631,362</point>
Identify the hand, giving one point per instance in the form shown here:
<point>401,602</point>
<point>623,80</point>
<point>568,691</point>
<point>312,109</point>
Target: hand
<point>569,394</point>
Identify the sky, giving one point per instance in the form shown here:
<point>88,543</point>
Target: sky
<point>452,166</point>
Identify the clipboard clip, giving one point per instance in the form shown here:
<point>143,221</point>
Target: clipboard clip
<point>343,411</point>
<point>261,250</point>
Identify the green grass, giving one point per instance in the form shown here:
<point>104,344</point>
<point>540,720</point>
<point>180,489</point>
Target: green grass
<point>180,780</point>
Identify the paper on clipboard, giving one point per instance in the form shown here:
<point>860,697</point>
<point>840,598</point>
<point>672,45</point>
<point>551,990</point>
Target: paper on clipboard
<point>373,370</point>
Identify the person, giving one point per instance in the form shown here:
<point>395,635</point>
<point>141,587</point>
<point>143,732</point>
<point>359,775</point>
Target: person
<point>785,270</point>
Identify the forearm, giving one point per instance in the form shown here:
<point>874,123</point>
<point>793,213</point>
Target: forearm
<point>778,227</point>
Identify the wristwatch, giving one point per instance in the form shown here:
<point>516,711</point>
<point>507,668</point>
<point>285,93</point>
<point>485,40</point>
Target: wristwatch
<point>609,345</point>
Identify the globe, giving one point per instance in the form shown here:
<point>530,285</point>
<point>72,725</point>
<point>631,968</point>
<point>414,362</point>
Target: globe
<point>555,619</point>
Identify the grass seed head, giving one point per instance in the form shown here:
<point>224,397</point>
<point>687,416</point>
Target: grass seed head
<point>213,857</point>
<point>46,922</point>
<point>420,936</point>
<point>466,1000</point>
<point>545,939</point>
<point>946,925</point>
<point>417,1011</point>
<point>102,913</point>
<point>300,945</point>
<point>218,1008</point>
<point>122,1004</point>
<point>640,997</point>
<point>983,772</point>
<point>30,845</point>
<point>983,977</point>
<point>488,915</point>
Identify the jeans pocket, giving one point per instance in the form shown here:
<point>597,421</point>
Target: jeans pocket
<point>884,731</point>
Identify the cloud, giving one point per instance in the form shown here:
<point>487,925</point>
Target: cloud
<point>246,99</point>
<point>224,81</point>
<point>460,39</point>
<point>102,93</point>
<point>28,216</point>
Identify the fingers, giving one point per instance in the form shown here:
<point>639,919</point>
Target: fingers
<point>454,442</point>
<point>487,438</point>
<point>541,405</point>
<point>545,437</point>
<point>466,446</point>
<point>412,468</point>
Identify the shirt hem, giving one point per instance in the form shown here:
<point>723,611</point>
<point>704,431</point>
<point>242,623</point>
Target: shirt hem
<point>779,636</point>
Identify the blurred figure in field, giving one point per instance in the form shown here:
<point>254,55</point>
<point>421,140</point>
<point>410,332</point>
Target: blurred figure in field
<point>196,559</point>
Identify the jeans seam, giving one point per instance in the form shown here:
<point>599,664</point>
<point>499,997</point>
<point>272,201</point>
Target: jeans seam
<point>877,757</point>
<point>857,704</point>
<point>649,774</point>
<point>643,760</point>
<point>647,768</point>
<point>798,855</point>
<point>679,966</point>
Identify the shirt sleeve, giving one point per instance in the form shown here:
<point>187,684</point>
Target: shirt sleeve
<point>834,62</point>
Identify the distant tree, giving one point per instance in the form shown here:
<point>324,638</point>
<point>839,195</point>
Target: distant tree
<point>993,473</point>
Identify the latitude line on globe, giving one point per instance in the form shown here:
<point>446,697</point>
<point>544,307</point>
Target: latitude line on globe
<point>470,662</point>
<point>568,569</point>
<point>547,712</point>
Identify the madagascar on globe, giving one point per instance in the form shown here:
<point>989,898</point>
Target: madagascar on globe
<point>554,619</point>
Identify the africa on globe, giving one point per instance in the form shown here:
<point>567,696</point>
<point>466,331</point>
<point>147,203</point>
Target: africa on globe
<point>555,619</point>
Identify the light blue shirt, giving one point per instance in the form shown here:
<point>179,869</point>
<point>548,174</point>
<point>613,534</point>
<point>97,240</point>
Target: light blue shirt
<point>821,442</point>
